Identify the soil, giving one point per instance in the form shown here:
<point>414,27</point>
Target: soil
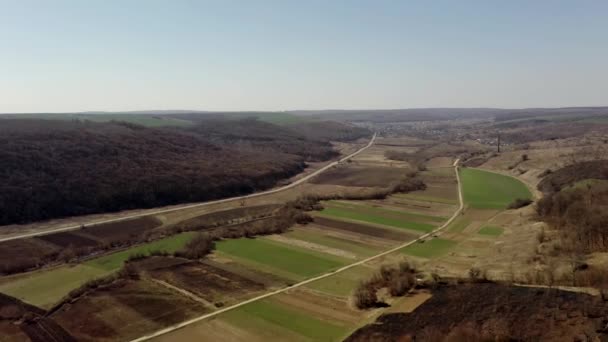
<point>213,284</point>
<point>67,239</point>
<point>497,311</point>
<point>228,216</point>
<point>363,229</point>
<point>20,321</point>
<point>123,230</point>
<point>124,310</point>
<point>361,176</point>
<point>26,252</point>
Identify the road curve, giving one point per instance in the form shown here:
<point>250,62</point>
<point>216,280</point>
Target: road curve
<point>162,211</point>
<point>203,317</point>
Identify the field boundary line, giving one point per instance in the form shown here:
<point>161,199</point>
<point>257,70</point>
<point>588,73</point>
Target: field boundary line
<point>308,281</point>
<point>184,293</point>
<point>196,205</point>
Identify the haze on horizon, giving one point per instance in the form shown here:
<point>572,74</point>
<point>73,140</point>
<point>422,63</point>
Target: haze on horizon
<point>70,56</point>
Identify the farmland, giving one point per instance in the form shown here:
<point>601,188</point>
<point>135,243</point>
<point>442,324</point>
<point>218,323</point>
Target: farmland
<point>296,262</point>
<point>163,290</point>
<point>321,310</point>
<point>430,248</point>
<point>487,190</point>
<point>46,287</point>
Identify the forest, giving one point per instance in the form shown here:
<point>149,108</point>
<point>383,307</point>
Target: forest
<point>57,168</point>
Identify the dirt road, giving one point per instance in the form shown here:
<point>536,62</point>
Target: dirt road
<point>347,267</point>
<point>189,206</point>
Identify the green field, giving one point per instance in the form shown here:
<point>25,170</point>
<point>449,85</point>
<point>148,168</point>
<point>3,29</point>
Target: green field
<point>488,190</point>
<point>352,214</point>
<point>343,283</point>
<point>380,210</point>
<point>459,224</point>
<point>491,231</point>
<point>354,247</point>
<point>430,248</point>
<point>287,318</point>
<point>115,261</point>
<point>288,259</point>
<point>45,288</point>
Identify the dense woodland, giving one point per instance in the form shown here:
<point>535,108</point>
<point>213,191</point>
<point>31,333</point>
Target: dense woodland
<point>55,168</point>
<point>575,203</point>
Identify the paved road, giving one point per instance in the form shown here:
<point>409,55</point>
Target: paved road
<point>189,206</point>
<point>215,313</point>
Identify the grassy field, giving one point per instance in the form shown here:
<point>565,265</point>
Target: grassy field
<point>45,288</point>
<point>115,261</point>
<point>298,261</point>
<point>343,283</point>
<point>430,248</point>
<point>488,190</point>
<point>459,224</point>
<point>491,231</point>
<point>288,318</point>
<point>353,214</point>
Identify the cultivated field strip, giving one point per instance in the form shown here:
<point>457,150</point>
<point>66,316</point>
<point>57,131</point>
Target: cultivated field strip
<point>259,305</point>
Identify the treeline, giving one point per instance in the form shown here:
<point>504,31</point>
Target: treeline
<point>579,214</point>
<point>556,180</point>
<point>53,168</point>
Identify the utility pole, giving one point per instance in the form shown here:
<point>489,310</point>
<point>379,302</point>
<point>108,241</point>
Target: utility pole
<point>498,142</point>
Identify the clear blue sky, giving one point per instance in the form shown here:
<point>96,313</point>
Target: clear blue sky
<point>279,55</point>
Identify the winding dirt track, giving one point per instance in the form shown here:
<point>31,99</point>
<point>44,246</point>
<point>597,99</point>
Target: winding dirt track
<point>215,313</point>
<point>189,206</point>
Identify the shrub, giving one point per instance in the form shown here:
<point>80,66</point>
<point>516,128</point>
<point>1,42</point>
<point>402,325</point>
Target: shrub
<point>474,274</point>
<point>200,245</point>
<point>520,203</point>
<point>365,296</point>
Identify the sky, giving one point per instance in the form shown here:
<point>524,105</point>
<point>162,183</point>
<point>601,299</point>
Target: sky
<point>110,55</point>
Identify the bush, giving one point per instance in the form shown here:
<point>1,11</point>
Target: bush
<point>520,203</point>
<point>200,245</point>
<point>398,280</point>
<point>365,296</point>
<point>474,274</point>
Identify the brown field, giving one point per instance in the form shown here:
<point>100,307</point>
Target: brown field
<point>364,229</point>
<point>255,276</point>
<point>67,239</point>
<point>46,330</point>
<point>124,310</point>
<point>228,216</point>
<point>20,255</point>
<point>213,284</point>
<point>123,230</point>
<point>11,332</point>
<point>36,328</point>
<point>496,311</point>
<point>361,176</point>
<point>412,205</point>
